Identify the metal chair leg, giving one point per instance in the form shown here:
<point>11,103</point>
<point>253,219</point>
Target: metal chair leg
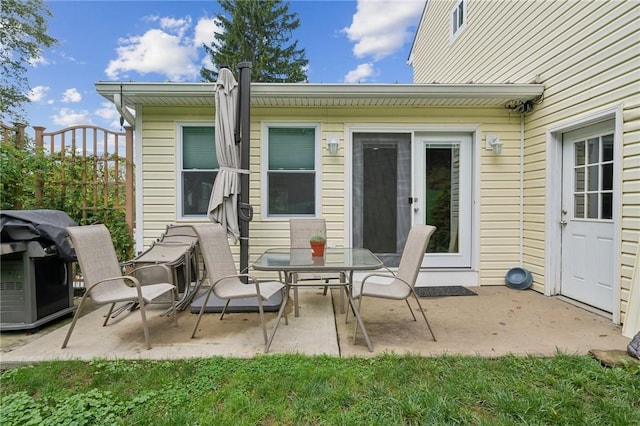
<point>425,317</point>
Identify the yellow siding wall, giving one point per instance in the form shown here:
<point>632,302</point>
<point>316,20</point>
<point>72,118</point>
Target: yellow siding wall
<point>499,184</point>
<point>586,53</point>
<point>159,165</point>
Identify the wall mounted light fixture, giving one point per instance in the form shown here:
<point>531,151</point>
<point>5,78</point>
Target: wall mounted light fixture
<point>493,143</point>
<point>333,143</point>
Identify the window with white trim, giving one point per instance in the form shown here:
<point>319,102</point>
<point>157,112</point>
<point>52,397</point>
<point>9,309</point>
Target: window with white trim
<point>458,18</point>
<point>291,158</point>
<point>198,167</point>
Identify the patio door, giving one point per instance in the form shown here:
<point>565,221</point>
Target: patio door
<point>381,193</point>
<point>587,223</point>
<point>442,197</point>
<point>389,196</point>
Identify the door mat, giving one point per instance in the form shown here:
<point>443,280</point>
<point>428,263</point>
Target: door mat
<point>442,291</point>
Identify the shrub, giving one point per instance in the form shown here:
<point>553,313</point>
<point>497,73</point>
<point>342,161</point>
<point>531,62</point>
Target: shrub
<point>73,184</point>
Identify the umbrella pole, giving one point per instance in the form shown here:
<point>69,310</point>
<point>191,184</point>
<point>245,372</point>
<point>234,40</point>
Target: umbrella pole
<point>245,210</point>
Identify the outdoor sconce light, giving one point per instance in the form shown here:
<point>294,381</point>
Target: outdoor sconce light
<point>333,143</point>
<point>493,143</point>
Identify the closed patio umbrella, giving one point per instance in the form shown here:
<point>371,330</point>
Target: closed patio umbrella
<point>223,204</point>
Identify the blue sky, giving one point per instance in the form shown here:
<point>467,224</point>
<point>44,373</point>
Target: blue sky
<point>363,41</point>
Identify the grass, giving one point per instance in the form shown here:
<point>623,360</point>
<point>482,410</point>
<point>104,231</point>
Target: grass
<point>296,389</point>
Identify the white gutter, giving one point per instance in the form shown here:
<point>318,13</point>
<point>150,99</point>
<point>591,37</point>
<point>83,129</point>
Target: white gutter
<point>338,90</point>
<point>175,93</point>
<point>137,163</point>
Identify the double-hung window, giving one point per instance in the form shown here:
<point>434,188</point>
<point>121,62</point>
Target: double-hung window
<point>198,167</point>
<point>291,159</point>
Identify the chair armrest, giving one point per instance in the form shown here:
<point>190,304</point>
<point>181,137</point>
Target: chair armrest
<point>378,274</point>
<point>125,278</point>
<point>251,278</point>
<point>167,271</point>
<point>226,277</point>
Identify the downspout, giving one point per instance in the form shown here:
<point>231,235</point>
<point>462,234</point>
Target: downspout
<point>126,115</point>
<point>521,189</point>
<point>118,101</point>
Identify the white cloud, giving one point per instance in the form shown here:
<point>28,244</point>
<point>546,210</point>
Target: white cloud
<point>38,93</point>
<point>156,51</point>
<point>37,61</point>
<point>69,58</point>
<point>71,95</point>
<point>204,32</point>
<point>360,74</point>
<point>107,111</point>
<point>177,26</point>
<point>171,49</point>
<point>207,63</point>
<point>380,27</point>
<point>67,117</point>
<point>110,115</point>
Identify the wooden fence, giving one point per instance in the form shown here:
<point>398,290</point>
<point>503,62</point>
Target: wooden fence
<point>104,157</point>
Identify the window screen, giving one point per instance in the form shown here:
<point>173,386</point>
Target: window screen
<point>199,169</point>
<point>291,174</point>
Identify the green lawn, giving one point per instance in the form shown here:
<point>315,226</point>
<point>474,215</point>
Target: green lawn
<point>296,389</point>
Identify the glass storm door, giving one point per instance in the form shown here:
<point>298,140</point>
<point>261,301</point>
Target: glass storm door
<point>443,183</point>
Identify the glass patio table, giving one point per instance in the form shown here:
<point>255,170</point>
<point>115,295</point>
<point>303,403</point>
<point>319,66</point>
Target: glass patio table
<point>343,260</point>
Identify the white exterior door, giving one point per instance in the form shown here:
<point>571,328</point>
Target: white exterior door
<point>587,216</point>
<point>442,197</point>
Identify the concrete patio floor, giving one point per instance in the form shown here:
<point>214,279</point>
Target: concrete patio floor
<point>496,322</point>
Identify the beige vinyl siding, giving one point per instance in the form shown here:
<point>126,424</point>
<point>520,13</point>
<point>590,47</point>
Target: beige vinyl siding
<point>519,39</point>
<point>594,80</point>
<point>159,167</point>
<point>586,53</point>
<point>630,200</point>
<point>499,186</point>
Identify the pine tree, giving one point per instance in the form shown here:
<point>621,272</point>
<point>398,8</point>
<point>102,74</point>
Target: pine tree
<point>258,31</point>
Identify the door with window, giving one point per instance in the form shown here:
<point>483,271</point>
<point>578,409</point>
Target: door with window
<point>587,224</point>
<point>442,197</point>
<point>389,196</point>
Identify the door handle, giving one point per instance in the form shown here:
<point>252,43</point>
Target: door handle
<point>414,201</point>
<point>563,221</point>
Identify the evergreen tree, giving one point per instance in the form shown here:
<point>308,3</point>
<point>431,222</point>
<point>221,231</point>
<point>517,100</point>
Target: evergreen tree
<point>258,31</point>
<point>23,35</point>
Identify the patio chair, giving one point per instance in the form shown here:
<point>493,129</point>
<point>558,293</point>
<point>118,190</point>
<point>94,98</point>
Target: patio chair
<point>178,247</point>
<point>224,280</point>
<point>104,281</point>
<point>300,232</point>
<point>401,285</point>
